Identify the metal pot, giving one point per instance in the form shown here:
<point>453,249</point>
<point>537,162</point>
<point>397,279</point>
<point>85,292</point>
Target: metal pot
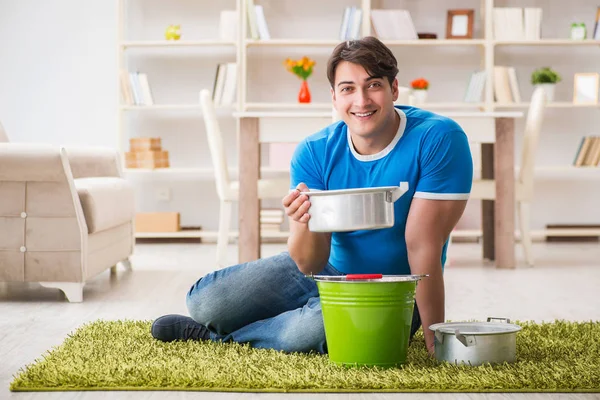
<point>476,343</point>
<point>353,209</point>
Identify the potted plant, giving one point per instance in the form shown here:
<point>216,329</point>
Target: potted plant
<point>419,90</point>
<point>546,78</point>
<point>302,68</point>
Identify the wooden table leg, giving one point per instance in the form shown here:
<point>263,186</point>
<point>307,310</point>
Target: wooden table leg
<point>487,206</point>
<point>504,171</point>
<point>249,203</point>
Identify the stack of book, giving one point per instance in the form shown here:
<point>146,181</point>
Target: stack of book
<point>146,153</point>
<point>475,87</point>
<point>588,153</point>
<point>506,86</point>
<point>351,20</point>
<point>225,84</point>
<point>257,22</point>
<point>393,25</point>
<point>135,89</point>
<point>514,23</point>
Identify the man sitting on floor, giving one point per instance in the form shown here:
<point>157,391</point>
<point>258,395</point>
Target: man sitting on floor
<point>270,303</point>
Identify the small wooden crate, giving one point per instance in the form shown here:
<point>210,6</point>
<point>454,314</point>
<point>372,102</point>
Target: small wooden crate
<point>145,144</point>
<point>157,222</point>
<point>147,159</point>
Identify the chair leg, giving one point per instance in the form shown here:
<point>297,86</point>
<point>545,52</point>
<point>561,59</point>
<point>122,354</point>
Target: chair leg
<point>72,290</point>
<point>126,263</point>
<point>223,236</point>
<point>524,226</point>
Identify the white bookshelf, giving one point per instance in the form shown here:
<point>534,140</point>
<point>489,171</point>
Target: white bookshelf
<point>246,52</point>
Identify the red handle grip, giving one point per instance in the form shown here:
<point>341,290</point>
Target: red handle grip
<point>350,277</point>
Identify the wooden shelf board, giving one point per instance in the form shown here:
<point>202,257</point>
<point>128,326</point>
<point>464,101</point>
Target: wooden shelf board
<point>554,104</point>
<point>196,233</point>
<point>436,42</point>
<point>175,43</point>
<point>175,107</point>
<point>201,172</point>
<point>292,42</point>
<point>292,106</point>
<point>535,233</point>
<point>547,42</point>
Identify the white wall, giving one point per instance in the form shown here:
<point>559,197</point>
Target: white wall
<point>58,71</point>
<point>58,84</point>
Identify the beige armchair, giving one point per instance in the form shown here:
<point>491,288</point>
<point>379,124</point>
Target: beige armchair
<point>3,135</point>
<point>66,215</point>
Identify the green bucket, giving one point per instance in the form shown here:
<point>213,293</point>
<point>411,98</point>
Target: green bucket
<point>367,317</point>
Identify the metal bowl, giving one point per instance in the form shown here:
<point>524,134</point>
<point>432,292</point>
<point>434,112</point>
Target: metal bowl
<point>353,209</point>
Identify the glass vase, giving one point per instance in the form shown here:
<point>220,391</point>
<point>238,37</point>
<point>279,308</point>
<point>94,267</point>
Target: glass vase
<point>304,93</point>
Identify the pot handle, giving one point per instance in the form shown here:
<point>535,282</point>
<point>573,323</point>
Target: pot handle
<point>466,340</point>
<point>397,193</point>
<point>494,319</point>
<point>439,336</point>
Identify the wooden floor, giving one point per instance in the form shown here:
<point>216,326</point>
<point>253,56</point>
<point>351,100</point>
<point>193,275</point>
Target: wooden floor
<point>564,285</point>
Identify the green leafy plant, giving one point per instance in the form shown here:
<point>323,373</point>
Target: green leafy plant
<point>545,75</point>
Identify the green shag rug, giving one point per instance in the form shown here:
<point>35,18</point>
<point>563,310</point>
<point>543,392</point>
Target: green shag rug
<point>122,355</point>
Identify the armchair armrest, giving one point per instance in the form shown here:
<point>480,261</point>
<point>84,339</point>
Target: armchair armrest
<point>21,162</point>
<point>91,162</point>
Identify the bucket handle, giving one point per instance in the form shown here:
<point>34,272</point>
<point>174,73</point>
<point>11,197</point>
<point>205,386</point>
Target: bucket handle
<point>351,277</point>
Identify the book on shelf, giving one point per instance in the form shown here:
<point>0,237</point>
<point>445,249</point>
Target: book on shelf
<point>257,23</point>
<point>515,23</point>
<point>225,84</point>
<point>393,25</point>
<point>351,22</point>
<point>228,26</point>
<point>506,86</point>
<point>135,88</point>
<point>475,87</point>
<point>596,34</point>
<point>588,152</point>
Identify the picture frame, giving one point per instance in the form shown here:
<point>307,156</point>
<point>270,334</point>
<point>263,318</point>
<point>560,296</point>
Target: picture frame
<point>459,24</point>
<point>585,88</point>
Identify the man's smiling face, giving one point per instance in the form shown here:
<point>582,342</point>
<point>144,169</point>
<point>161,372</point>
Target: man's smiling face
<point>365,103</point>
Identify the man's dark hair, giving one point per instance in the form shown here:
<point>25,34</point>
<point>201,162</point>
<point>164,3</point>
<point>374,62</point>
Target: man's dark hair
<point>369,52</point>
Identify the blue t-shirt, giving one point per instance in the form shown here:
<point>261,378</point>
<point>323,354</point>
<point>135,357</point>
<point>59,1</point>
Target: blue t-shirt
<point>429,151</point>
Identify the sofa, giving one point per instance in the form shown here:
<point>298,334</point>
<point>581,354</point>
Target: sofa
<point>66,215</point>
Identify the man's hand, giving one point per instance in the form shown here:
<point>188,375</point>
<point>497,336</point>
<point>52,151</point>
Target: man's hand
<point>297,204</point>
<point>428,226</point>
<point>309,250</point>
<point>431,349</point>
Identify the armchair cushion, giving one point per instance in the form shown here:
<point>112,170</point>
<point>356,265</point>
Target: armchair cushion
<point>107,202</point>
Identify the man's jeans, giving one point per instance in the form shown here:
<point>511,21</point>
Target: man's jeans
<point>268,303</point>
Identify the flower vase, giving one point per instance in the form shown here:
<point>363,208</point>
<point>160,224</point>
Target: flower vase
<point>304,94</point>
<point>420,96</point>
